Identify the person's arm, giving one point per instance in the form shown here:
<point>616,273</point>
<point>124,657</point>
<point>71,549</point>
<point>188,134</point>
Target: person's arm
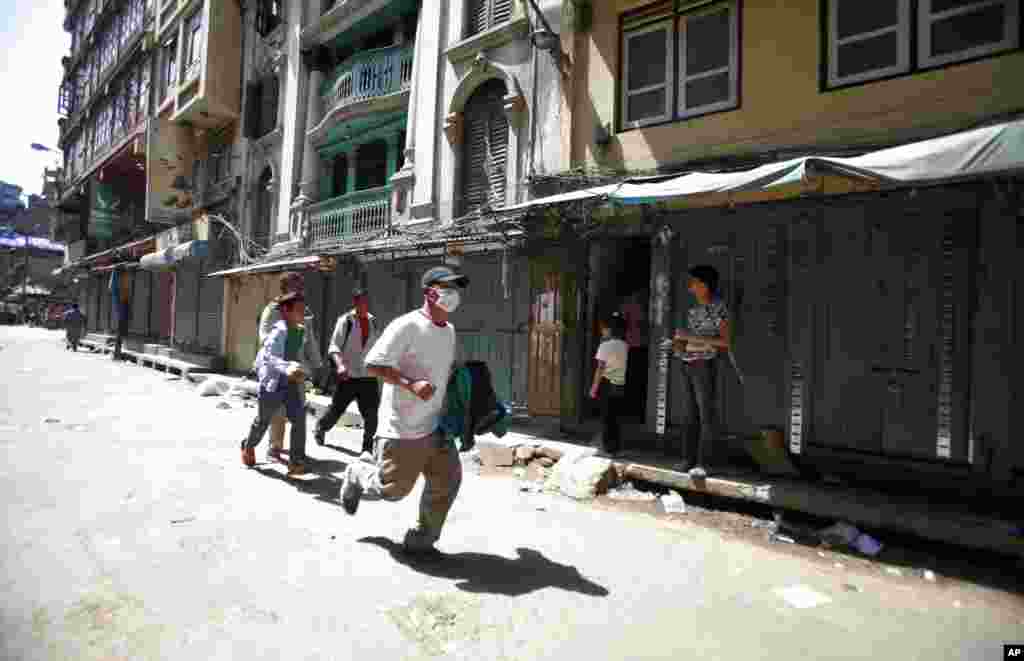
<point>382,360</point>
<point>267,321</point>
<point>602,363</point>
<point>598,375</point>
<point>334,350</point>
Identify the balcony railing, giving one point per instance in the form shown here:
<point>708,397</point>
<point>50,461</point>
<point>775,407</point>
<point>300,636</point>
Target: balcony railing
<point>368,75</point>
<point>348,217</point>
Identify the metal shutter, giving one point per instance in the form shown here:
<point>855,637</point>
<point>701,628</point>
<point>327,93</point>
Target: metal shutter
<point>485,148</point>
<point>140,302</point>
<point>211,306</point>
<point>185,303</point>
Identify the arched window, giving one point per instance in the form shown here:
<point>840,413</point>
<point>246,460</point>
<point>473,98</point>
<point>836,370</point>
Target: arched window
<point>484,148</point>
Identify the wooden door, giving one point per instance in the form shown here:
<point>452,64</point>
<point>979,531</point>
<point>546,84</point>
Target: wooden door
<point>546,336</point>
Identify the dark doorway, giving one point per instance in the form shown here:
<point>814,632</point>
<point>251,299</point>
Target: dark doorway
<point>620,275</point>
<point>372,165</point>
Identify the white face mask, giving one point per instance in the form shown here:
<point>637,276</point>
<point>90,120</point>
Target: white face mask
<point>448,299</point>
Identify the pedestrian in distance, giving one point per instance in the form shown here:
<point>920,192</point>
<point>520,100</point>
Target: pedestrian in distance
<point>354,335</point>
<point>609,385</point>
<point>282,383</point>
<point>74,322</point>
<point>292,281</point>
<point>707,335</point>
<point>414,357</point>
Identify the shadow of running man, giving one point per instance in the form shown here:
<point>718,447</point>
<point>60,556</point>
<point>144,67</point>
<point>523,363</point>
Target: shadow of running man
<point>493,574</point>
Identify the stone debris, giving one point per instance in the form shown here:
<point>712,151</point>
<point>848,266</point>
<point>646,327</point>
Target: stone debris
<point>213,388</point>
<point>673,503</point>
<point>224,405</point>
<point>627,491</point>
<point>582,475</point>
<point>524,454</point>
<point>50,421</point>
<point>495,455</point>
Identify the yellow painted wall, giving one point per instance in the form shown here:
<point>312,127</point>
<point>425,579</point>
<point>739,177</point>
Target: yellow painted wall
<point>781,105</point>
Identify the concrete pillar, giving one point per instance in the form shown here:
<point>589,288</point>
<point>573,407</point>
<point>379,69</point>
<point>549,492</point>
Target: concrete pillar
<point>294,119</point>
<point>310,186</point>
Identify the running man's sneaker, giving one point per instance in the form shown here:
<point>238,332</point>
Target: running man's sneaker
<point>249,457</point>
<point>296,468</point>
<point>351,489</point>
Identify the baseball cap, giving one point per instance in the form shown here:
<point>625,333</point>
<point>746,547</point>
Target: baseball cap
<point>444,274</point>
<point>359,291</point>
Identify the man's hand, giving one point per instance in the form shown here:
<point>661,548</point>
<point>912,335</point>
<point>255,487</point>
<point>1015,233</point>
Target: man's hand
<point>342,372</point>
<point>422,389</point>
<point>295,373</point>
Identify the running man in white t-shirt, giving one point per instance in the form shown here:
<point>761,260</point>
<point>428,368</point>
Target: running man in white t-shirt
<point>413,357</point>
<point>610,381</point>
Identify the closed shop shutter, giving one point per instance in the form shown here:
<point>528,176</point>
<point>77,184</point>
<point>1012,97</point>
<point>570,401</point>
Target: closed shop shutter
<point>211,306</point>
<point>185,304</point>
<point>140,302</point>
<point>105,321</point>
<point>485,148</point>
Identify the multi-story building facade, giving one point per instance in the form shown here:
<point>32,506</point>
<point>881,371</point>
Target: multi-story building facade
<point>875,328</point>
<point>381,134</point>
<point>151,99</point>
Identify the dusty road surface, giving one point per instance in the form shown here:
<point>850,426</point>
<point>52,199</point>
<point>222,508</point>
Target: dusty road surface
<point>132,531</point>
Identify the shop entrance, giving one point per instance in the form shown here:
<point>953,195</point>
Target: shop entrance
<point>620,275</point>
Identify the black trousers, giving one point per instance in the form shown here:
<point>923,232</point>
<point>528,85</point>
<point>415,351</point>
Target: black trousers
<point>613,404</point>
<point>366,393</point>
<point>699,379</point>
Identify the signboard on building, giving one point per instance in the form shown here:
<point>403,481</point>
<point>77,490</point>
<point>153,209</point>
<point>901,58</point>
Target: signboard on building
<point>169,169</point>
<point>105,211</point>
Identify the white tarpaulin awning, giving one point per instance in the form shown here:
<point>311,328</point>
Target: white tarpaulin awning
<point>268,266</point>
<point>988,150</point>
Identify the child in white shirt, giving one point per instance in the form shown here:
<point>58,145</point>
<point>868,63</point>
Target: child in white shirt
<point>610,381</point>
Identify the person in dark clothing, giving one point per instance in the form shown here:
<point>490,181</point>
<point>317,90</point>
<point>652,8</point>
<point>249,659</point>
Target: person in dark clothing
<point>354,336</point>
<point>707,335</point>
<point>609,384</point>
<point>74,322</point>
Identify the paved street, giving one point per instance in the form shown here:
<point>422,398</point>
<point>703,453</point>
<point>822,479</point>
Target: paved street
<point>132,531</point>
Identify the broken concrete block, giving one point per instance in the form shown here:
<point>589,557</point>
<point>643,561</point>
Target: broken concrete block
<point>550,453</point>
<point>584,478</point>
<point>537,472</point>
<point>495,455</point>
<point>213,388</point>
<point>524,453</point>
